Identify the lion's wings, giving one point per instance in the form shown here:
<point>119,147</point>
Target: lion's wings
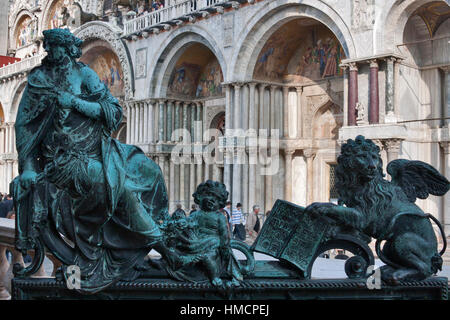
<point>417,179</point>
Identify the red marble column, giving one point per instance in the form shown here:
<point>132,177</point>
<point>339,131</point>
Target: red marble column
<point>352,94</point>
<point>374,97</point>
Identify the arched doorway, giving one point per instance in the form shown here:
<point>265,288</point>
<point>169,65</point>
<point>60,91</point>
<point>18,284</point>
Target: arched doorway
<point>299,90</point>
<point>192,95</point>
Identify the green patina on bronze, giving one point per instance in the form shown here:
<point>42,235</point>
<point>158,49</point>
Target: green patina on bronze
<point>102,205</point>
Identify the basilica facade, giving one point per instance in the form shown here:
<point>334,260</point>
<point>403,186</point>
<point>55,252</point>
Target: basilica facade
<point>257,94</point>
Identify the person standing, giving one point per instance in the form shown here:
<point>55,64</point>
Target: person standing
<point>178,213</point>
<point>253,225</point>
<point>6,206</point>
<point>193,209</point>
<point>237,220</point>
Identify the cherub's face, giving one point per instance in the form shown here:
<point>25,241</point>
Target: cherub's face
<point>209,201</point>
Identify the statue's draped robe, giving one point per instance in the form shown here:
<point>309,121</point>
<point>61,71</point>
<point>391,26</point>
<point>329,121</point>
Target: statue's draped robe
<point>99,194</point>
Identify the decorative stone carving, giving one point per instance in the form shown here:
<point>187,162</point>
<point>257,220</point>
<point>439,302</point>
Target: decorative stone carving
<point>141,63</point>
<point>361,114</point>
<point>103,31</point>
<point>363,14</point>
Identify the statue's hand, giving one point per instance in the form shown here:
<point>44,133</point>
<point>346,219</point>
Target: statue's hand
<point>27,178</point>
<point>325,208</point>
<point>344,215</point>
<point>65,99</point>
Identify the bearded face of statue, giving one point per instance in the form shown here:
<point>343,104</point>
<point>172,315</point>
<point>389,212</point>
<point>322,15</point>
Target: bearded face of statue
<point>56,53</point>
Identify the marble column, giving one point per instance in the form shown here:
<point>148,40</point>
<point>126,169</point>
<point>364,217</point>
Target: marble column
<point>169,133</point>
<point>446,205</point>
<point>390,89</point>
<point>262,111</point>
<point>161,122</point>
<point>252,155</point>
<point>2,139</point>
<point>352,94</point>
<point>151,122</point>
<point>185,124</point>
<point>299,91</point>
<point>136,122</point>
<point>141,122</point>
<point>227,171</point>
<point>374,110</point>
<point>272,109</point>
<point>132,116</point>
<point>177,122</point>
<point>446,104</point>
<point>252,110</point>
<point>285,112</point>
<point>288,174</point>
<point>309,154</point>
<point>146,123</point>
<point>172,198</point>
<point>237,106</point>
<point>192,129</point>
<point>192,182</point>
<point>128,125</point>
<point>268,192</point>
<point>392,147</point>
<point>228,109</point>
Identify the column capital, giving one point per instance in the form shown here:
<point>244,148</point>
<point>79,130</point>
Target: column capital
<point>289,151</point>
<point>252,84</point>
<point>446,146</point>
<point>446,69</point>
<point>309,153</point>
<point>299,89</point>
<point>392,144</point>
<point>353,66</point>
<point>373,63</point>
<point>273,87</point>
<point>285,90</point>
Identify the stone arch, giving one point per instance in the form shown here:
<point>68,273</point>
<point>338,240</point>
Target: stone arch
<point>19,18</point>
<point>391,24</point>
<point>171,51</point>
<point>16,97</point>
<point>327,121</point>
<point>98,30</point>
<point>273,16</point>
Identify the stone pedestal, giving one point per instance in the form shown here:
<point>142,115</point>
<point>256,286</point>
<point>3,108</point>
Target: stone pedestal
<point>256,288</point>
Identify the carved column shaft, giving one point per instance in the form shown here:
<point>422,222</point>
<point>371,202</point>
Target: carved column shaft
<point>286,112</point>
<point>299,91</point>
<point>128,125</point>
<point>169,132</point>
<point>390,93</point>
<point>352,94</point>
<point>374,95</point>
<point>161,122</point>
<point>309,154</point>
<point>288,174</point>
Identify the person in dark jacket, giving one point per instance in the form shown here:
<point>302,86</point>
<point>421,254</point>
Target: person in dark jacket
<point>6,206</point>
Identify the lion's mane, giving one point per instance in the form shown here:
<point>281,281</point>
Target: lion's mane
<point>369,197</point>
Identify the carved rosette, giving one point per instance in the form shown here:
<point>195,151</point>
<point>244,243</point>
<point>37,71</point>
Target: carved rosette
<point>102,31</point>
